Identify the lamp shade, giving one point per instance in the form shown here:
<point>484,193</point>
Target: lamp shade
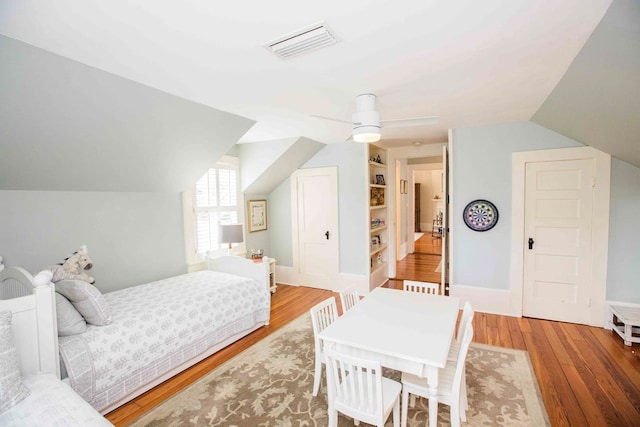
<point>230,233</point>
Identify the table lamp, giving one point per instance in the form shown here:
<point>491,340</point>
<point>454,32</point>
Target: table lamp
<point>230,233</point>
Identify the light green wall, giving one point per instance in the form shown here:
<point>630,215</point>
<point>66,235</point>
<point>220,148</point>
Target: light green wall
<point>349,159</point>
<point>132,238</point>
<point>482,170</point>
<point>280,214</point>
<point>624,234</point>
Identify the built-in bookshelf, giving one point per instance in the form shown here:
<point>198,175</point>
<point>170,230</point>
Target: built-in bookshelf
<point>378,216</point>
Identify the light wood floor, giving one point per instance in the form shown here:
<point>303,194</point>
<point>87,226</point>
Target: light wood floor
<point>428,244</point>
<point>587,376</point>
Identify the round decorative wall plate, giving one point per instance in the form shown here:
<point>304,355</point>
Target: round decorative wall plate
<point>480,215</point>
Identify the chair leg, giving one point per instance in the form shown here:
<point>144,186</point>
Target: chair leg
<point>405,407</point>
<point>333,418</point>
<point>396,413</point>
<point>455,415</point>
<point>316,376</point>
<point>464,403</point>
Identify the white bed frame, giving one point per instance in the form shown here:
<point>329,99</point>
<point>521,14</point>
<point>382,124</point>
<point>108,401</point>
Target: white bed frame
<point>34,322</point>
<point>242,267</point>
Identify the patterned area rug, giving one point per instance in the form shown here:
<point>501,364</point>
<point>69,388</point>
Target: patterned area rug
<point>270,385</point>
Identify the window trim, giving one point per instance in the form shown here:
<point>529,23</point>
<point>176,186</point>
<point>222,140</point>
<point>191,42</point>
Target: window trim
<point>194,260</point>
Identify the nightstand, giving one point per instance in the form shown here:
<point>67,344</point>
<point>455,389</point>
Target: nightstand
<point>272,275</point>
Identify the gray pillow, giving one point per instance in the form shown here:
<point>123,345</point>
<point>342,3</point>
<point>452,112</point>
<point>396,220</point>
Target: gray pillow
<point>70,322</point>
<point>12,391</point>
<point>87,299</point>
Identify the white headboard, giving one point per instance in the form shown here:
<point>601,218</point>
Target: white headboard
<point>32,303</point>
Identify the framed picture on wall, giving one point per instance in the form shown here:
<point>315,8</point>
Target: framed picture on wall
<point>257,214</point>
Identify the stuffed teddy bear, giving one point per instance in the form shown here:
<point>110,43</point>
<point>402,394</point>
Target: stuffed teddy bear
<point>72,268</point>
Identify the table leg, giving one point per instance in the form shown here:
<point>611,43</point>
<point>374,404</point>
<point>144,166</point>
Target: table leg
<point>433,399</point>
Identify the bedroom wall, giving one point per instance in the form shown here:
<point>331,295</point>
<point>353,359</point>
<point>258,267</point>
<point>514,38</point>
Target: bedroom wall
<point>132,237</point>
<point>280,223</point>
<point>482,169</point>
<point>624,233</point>
<point>78,128</point>
<point>349,158</point>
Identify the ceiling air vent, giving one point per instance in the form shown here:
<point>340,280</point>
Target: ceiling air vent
<point>302,41</point>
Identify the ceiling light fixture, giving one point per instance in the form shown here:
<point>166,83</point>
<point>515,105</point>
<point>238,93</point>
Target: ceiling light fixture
<point>366,120</point>
<point>366,134</point>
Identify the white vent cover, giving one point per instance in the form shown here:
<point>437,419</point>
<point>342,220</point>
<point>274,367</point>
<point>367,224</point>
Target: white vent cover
<point>302,41</point>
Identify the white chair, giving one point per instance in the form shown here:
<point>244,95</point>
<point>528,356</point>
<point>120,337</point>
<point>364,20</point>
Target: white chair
<point>467,317</point>
<point>356,388</point>
<point>349,298</point>
<point>450,385</point>
<point>322,315</point>
<point>421,287</point>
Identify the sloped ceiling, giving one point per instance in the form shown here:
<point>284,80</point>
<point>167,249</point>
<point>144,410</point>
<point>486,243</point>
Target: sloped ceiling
<point>469,62</point>
<point>264,165</point>
<point>68,126</point>
<point>597,101</point>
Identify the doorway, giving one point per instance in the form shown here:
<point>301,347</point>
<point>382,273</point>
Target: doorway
<point>314,204</point>
<point>597,232</point>
<point>423,259</point>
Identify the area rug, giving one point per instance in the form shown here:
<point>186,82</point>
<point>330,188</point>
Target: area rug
<point>270,384</point>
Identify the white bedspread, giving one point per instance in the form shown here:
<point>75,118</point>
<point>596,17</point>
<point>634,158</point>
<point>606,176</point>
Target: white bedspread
<point>156,327</point>
<point>51,403</point>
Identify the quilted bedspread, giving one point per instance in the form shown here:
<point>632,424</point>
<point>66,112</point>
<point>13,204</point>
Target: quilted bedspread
<point>156,327</point>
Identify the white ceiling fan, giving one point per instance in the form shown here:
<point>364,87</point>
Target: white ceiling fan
<point>366,123</point>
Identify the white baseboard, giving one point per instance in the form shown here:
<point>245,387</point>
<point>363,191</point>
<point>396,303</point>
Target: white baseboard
<point>484,300</point>
<point>357,281</point>
<point>403,250</point>
<point>497,301</point>
<point>287,276</point>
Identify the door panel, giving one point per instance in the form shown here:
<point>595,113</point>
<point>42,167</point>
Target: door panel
<point>317,216</point>
<point>558,216</point>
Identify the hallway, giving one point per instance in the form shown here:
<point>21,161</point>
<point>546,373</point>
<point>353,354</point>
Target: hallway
<point>423,263</point>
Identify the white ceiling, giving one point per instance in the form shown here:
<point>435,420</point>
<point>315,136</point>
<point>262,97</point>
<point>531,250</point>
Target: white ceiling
<point>469,62</point>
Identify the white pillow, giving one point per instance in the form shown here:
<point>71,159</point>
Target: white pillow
<point>87,299</point>
<point>12,391</point>
<point>70,322</point>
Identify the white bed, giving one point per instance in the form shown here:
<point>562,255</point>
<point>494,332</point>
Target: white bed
<point>49,402</point>
<point>102,362</point>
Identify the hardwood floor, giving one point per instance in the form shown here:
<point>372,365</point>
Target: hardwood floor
<point>428,244</point>
<point>587,376</point>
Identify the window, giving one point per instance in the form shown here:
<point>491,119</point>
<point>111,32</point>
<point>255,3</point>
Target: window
<point>215,201</point>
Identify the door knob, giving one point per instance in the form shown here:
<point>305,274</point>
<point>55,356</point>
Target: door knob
<point>327,234</point>
<point>531,242</point>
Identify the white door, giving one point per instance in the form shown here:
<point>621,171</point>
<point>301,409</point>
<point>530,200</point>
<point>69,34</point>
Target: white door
<point>444,263</point>
<point>315,231</point>
<point>557,256</point>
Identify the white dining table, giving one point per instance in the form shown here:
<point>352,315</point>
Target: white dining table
<point>406,331</point>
